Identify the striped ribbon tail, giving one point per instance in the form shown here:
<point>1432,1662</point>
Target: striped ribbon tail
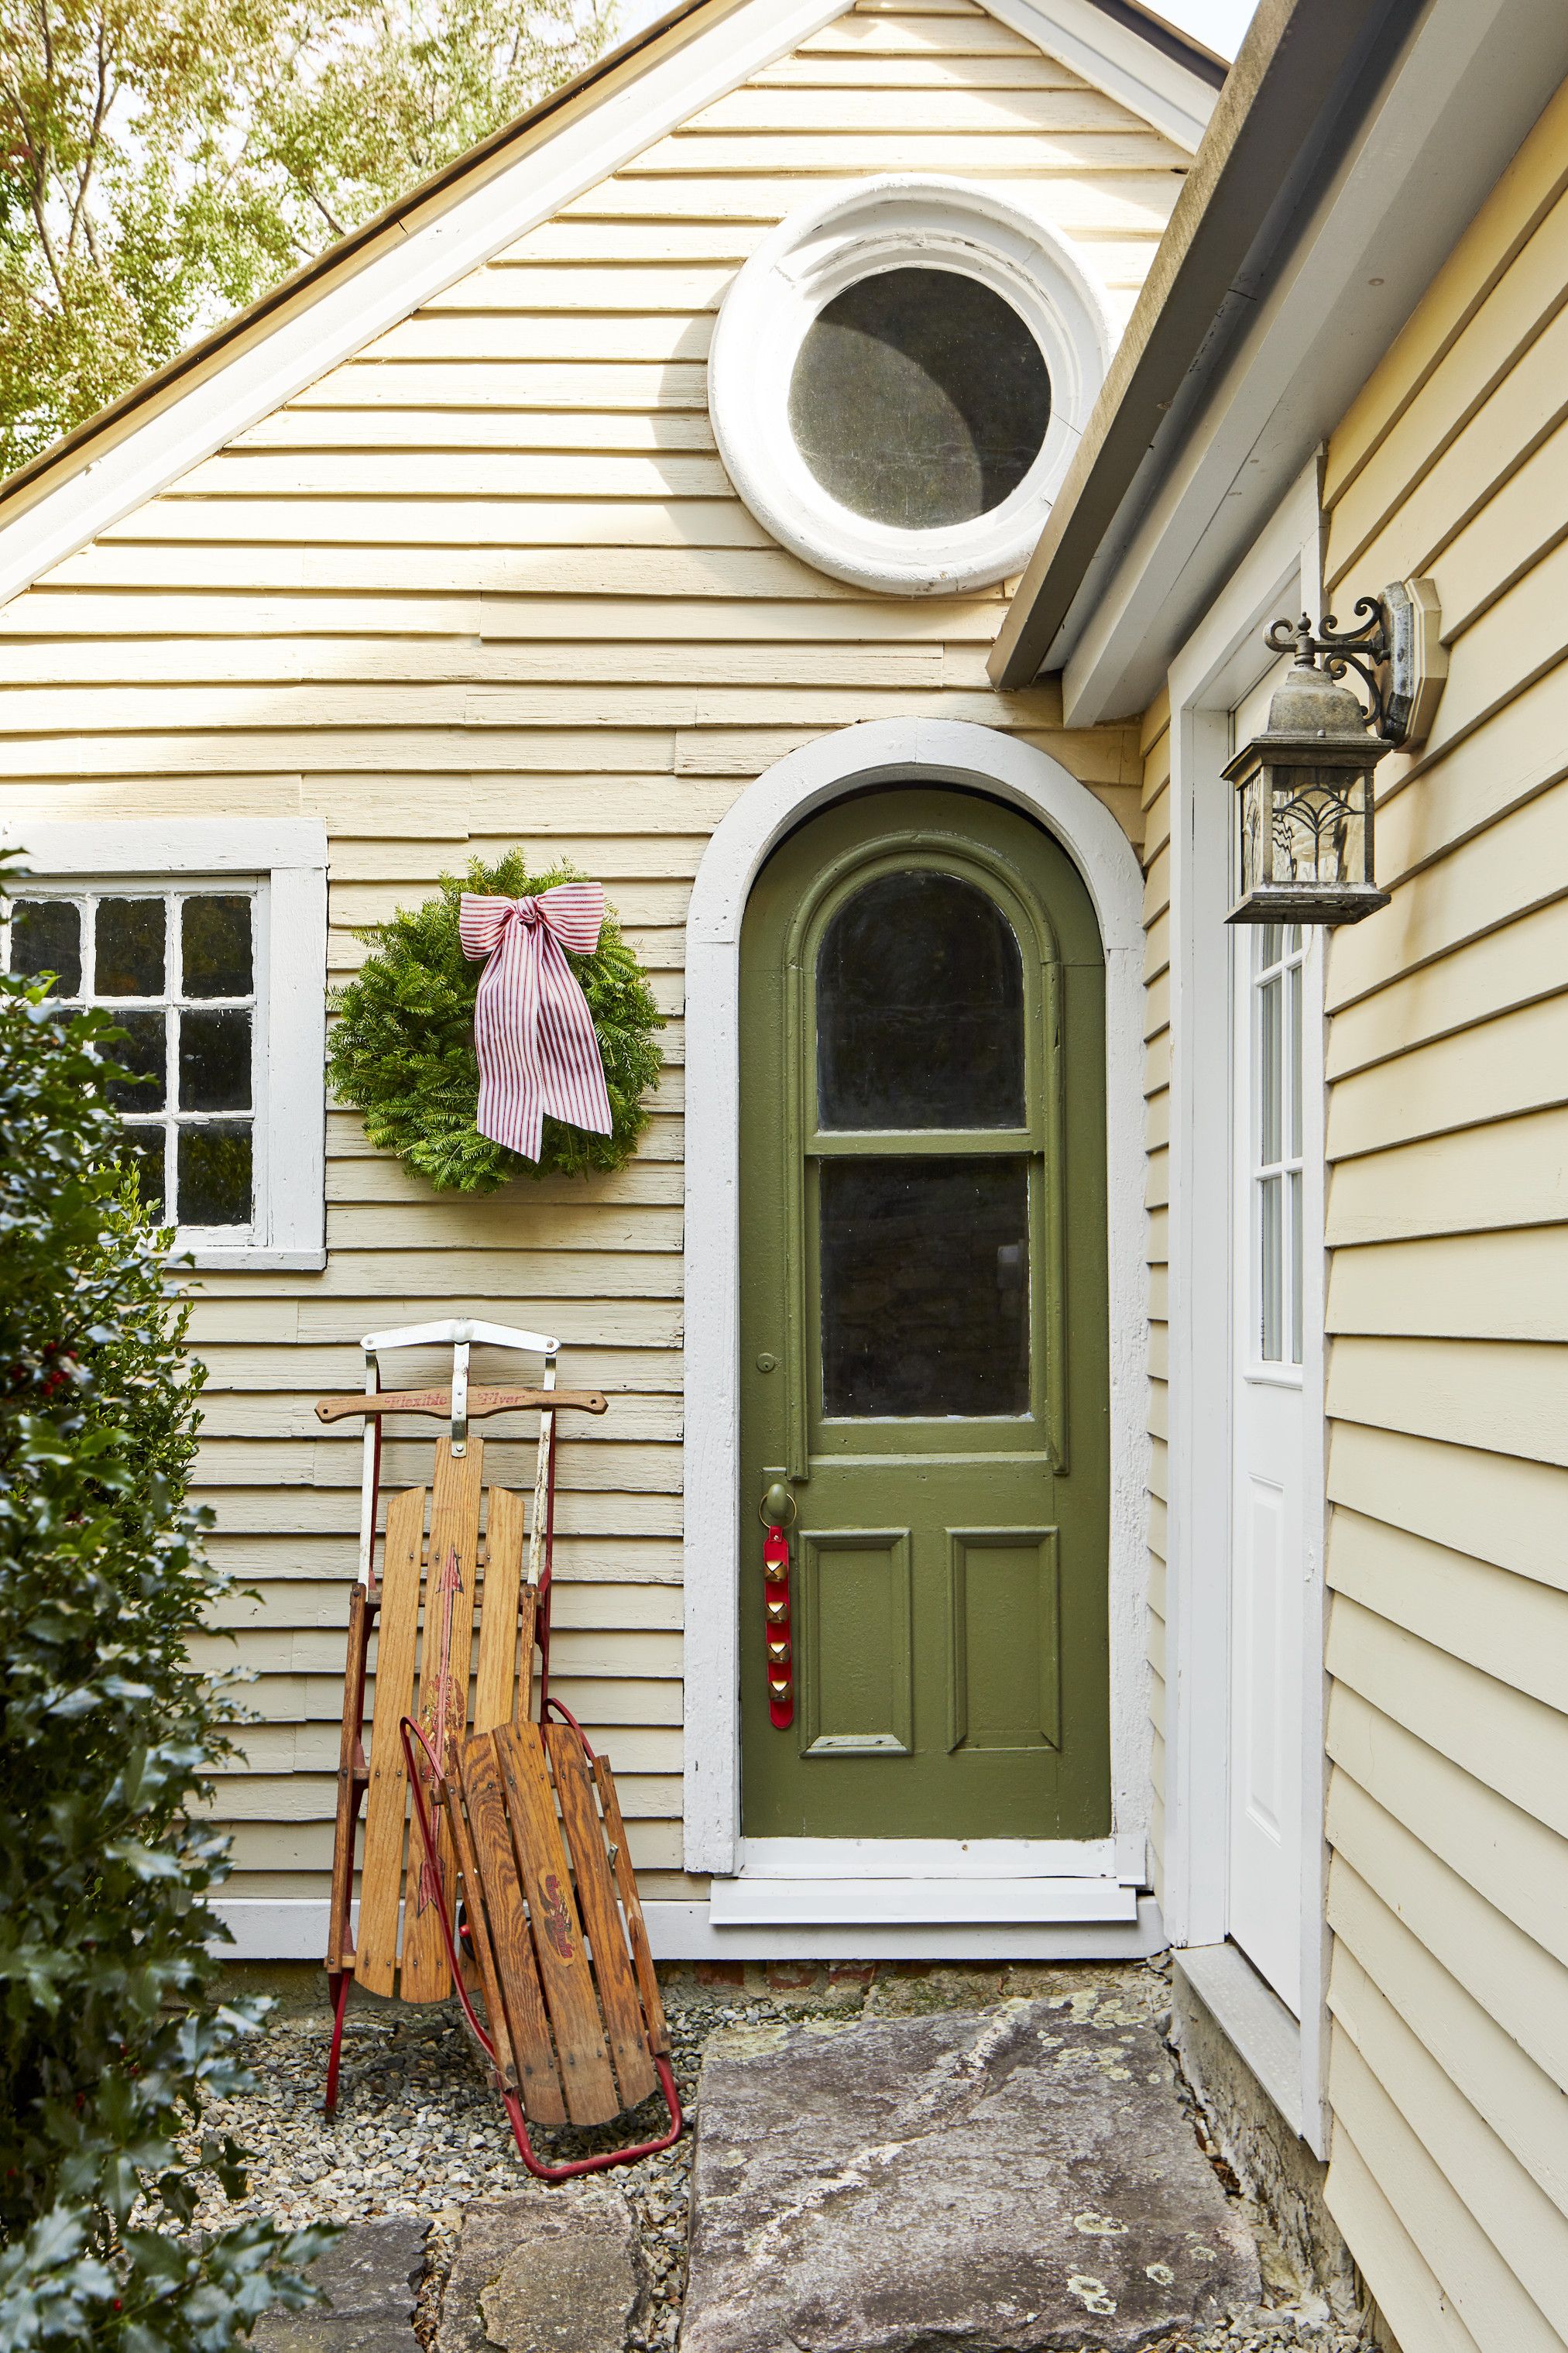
<point>533,1030</point>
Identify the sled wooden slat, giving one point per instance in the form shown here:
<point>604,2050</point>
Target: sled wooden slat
<point>568,1994</point>
<point>450,1576</point>
<point>600,1917</point>
<point>479,1959</point>
<point>631,1903</point>
<point>397,1635</point>
<point>491,1868</point>
<point>496,1678</point>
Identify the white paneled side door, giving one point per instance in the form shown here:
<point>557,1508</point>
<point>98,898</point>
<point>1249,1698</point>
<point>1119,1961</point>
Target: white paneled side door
<point>1275,977</point>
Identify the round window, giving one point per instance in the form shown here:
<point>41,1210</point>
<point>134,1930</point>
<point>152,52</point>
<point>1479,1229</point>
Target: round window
<point>919,398</point>
<point>899,378</point>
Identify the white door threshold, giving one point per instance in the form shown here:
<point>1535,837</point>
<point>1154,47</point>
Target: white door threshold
<point>745,1901</point>
<point>295,1929</point>
<point>1250,2014</point>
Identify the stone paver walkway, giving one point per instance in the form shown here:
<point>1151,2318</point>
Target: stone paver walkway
<point>1001,2180</point>
<point>1078,2201</point>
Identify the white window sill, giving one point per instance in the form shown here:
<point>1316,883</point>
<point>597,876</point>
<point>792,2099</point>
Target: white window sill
<point>243,1258</point>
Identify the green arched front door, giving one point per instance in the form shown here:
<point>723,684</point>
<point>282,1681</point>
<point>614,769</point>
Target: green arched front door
<point>923,1325</point>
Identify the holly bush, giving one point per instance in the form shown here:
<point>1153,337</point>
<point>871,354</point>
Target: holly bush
<point>111,2034</point>
<point>401,1047</point>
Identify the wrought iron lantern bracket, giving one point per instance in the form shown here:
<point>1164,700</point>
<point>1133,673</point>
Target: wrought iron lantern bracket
<point>1366,650</point>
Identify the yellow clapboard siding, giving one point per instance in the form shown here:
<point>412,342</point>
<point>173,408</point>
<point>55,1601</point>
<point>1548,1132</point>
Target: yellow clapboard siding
<point>357,428</point>
<point>455,474</point>
<point>1496,1506</point>
<point>1482,1287</point>
<point>1489,2298</point>
<point>810,68</point>
<point>1503,970</point>
<point>1520,2100</point>
<point>1504,224</point>
<point>1511,1628</point>
<point>1513,1744</point>
<point>1495,1395</point>
<point>1501,1068</point>
<point>655,630</point>
<point>1513,312</point>
<point>1509,1859</point>
<point>410,519</point>
<point>519,384</point>
<point>790,112</point>
<point>958,34</point>
<point>1408,2296</point>
<point>1103,197</point>
<point>1488,453</point>
<point>1520,2220</point>
<point>568,664</point>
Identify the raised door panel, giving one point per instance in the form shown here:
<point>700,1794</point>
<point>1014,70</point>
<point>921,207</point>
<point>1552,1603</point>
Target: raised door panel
<point>1005,1654</point>
<point>856,1698</point>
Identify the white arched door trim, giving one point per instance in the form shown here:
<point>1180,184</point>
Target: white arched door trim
<point>933,750</point>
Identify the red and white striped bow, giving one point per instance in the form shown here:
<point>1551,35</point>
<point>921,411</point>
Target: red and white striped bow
<point>532,1027</point>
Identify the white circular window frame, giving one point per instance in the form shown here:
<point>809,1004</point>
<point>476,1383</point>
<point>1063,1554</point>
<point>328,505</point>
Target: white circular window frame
<point>898,221</point>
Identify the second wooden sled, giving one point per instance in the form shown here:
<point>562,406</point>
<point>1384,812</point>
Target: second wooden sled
<point>573,2029</point>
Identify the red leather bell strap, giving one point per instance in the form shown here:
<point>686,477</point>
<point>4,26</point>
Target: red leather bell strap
<point>775,1628</point>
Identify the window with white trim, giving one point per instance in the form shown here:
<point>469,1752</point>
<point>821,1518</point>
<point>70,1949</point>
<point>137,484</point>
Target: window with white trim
<point>206,943</point>
<point>176,969</point>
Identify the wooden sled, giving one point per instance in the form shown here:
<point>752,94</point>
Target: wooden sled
<point>454,1609</point>
<point>576,2031</point>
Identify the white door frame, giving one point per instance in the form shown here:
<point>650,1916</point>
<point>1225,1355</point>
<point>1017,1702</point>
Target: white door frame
<point>1282,573</point>
<point>1089,1881</point>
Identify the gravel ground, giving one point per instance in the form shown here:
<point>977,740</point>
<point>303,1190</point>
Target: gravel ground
<point>418,2130</point>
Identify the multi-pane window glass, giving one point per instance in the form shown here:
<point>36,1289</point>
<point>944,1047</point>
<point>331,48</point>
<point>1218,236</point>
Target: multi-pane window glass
<point>1279,953</point>
<point>919,398</point>
<point>177,970</point>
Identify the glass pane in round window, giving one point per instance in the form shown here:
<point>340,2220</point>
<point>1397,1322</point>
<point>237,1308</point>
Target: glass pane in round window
<point>919,398</point>
<point>920,1009</point>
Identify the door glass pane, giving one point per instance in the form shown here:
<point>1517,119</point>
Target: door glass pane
<point>216,946</point>
<point>46,936</point>
<point>925,1287</point>
<point>920,1009</point>
<point>1268,1073</point>
<point>1271,1271</point>
<point>1293,1057</point>
<point>130,950</point>
<point>1296,1268</point>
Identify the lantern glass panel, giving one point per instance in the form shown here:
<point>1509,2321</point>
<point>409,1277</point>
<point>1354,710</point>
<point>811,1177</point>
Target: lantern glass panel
<point>1318,828</point>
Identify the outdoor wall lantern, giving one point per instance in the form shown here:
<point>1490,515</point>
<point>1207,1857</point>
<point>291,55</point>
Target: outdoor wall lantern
<point>1304,786</point>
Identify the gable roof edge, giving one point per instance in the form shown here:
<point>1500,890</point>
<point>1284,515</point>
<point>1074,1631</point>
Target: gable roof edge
<point>1155,72</point>
<point>369,283</point>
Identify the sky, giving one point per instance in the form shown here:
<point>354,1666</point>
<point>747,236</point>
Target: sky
<point>1218,24</point>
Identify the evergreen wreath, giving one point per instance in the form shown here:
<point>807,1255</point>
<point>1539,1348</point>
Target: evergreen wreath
<point>401,1047</point>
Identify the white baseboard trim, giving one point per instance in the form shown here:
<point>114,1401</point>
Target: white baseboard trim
<point>296,1930</point>
<point>1251,2016</point>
